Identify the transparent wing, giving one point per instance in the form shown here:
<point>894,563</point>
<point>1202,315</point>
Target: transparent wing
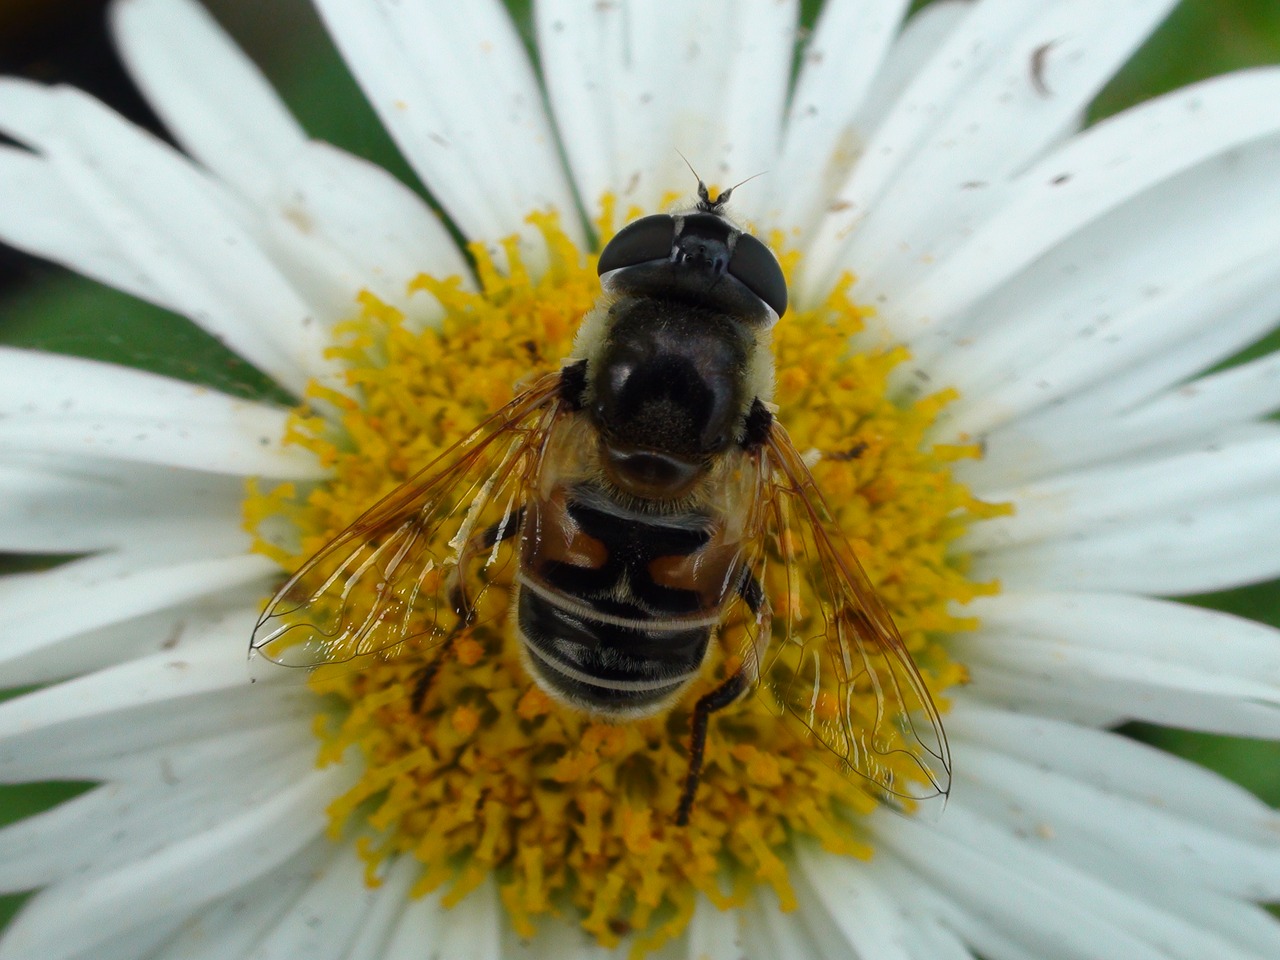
<point>838,668</point>
<point>397,574</point>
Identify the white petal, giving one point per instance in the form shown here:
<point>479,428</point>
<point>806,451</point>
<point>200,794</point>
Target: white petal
<point>1158,830</point>
<point>868,920</point>
<point>77,914</point>
<point>35,610</point>
<point>1037,901</point>
<point>715,934</point>
<point>1249,390</point>
<point>340,223</point>
<point>228,928</point>
<point>1101,353</point>
<point>906,125</point>
<point>165,797</point>
<point>912,52</point>
<point>1105,498</point>
<point>455,90</point>
<point>69,509</point>
<point>1191,552</point>
<point>1128,292</point>
<point>1143,534</point>
<point>211,97</point>
<point>627,94</point>
<point>419,925</point>
<point>83,408</point>
<point>134,944</point>
<point>1011,79</point>
<point>1127,657</point>
<point>768,933</point>
<point>324,921</point>
<point>1131,843</point>
<point>180,540</point>
<point>469,931</point>
<point>977,929</point>
<point>472,929</point>
<point>840,63</point>
<point>389,902</point>
<point>40,215</point>
<point>1202,410</point>
<point>1034,88</point>
<point>172,628</point>
<point>1097,425</point>
<point>562,938</point>
<point>804,196</point>
<point>1117,765</point>
<point>1167,525</point>
<point>587,53</point>
<point>209,664</point>
<point>1183,865</point>
<point>188,238</point>
<point>1091,175</point>
<point>748,78</point>
<point>929,939</point>
<point>1006,686</point>
<point>97,726</point>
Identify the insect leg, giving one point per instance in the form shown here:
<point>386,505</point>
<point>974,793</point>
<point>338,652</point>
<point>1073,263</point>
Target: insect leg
<point>753,595</point>
<point>709,703</point>
<point>734,686</point>
<point>750,591</point>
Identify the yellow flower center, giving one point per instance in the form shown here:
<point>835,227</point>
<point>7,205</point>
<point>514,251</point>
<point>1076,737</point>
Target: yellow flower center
<point>489,776</point>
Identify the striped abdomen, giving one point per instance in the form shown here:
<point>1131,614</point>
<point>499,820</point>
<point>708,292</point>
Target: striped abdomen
<point>616,608</point>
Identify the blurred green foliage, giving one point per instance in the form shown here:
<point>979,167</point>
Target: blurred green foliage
<point>67,314</point>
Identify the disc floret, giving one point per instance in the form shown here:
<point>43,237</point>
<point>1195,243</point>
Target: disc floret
<point>488,777</point>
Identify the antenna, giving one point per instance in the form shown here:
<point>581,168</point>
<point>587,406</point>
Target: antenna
<point>705,203</point>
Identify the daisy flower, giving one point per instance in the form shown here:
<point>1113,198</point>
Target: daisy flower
<point>1003,358</point>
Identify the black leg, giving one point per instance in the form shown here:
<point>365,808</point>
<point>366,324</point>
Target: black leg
<point>754,597</point>
<point>761,632</point>
<point>709,703</point>
<point>750,591</point>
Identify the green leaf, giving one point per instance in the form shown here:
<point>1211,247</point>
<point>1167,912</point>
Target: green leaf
<point>64,313</point>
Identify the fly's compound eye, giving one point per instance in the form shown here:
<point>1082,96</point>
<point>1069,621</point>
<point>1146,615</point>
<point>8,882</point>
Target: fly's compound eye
<point>700,257</point>
<point>649,238</point>
<point>759,271</point>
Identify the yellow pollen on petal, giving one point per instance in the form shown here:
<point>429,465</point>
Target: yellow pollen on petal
<point>488,777</point>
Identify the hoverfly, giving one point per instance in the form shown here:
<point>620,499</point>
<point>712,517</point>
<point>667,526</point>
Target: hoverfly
<point>646,486</point>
